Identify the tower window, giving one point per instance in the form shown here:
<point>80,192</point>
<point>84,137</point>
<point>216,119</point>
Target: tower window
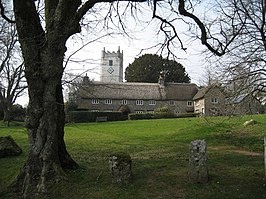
<point>110,62</point>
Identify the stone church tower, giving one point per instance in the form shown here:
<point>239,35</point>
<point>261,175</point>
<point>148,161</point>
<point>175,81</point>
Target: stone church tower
<point>111,66</point>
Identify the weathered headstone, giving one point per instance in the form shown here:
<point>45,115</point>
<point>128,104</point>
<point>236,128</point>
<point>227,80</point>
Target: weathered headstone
<point>8,147</point>
<point>120,168</point>
<point>198,169</point>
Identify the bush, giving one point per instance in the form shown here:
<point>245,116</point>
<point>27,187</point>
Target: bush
<point>17,113</point>
<point>87,116</point>
<point>140,116</point>
<point>160,115</point>
<point>183,115</point>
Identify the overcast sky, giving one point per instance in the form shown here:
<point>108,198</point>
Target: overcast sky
<point>142,34</point>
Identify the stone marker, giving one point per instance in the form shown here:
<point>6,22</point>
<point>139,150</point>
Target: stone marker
<point>249,122</point>
<point>8,147</point>
<point>120,168</point>
<point>198,170</point>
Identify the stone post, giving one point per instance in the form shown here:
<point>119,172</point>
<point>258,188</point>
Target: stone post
<point>120,168</point>
<point>198,170</point>
<point>265,159</point>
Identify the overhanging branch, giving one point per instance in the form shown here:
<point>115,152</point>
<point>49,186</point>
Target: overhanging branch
<point>2,12</point>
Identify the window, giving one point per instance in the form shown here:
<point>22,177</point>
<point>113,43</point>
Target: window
<point>152,102</point>
<point>171,103</point>
<point>94,110</point>
<point>189,103</point>
<point>214,100</point>
<point>110,62</point>
<point>124,102</point>
<point>95,101</point>
<point>139,102</point>
<point>108,101</point>
<point>139,111</point>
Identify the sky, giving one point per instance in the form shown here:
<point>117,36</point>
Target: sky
<point>142,33</point>
<point>84,49</point>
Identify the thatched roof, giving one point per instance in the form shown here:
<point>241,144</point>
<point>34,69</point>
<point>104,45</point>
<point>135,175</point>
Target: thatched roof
<point>134,91</point>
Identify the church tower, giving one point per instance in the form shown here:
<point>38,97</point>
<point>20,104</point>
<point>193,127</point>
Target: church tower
<point>111,66</point>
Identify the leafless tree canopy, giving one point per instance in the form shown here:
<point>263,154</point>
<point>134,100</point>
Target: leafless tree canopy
<point>11,67</point>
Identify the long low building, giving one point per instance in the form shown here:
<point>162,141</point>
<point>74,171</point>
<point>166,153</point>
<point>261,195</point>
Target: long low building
<point>138,97</point>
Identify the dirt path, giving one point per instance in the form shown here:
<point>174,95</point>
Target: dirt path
<point>239,151</point>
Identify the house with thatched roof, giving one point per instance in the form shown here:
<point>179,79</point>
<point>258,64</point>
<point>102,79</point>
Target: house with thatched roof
<point>136,97</point>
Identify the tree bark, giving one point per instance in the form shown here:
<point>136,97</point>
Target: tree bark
<point>43,54</point>
<point>6,115</point>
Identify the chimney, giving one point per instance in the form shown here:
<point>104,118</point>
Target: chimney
<point>161,78</point>
<point>85,79</point>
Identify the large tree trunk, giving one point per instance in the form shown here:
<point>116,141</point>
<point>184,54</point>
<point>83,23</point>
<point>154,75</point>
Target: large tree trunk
<point>7,116</point>
<point>43,54</point>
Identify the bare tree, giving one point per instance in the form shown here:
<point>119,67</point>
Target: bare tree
<point>12,87</point>
<point>11,68</point>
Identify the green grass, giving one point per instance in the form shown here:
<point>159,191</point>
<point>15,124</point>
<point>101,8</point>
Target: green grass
<point>159,150</point>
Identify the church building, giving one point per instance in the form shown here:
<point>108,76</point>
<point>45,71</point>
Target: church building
<point>111,66</point>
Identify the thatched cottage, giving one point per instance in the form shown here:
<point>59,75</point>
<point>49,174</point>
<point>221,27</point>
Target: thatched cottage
<point>138,97</point>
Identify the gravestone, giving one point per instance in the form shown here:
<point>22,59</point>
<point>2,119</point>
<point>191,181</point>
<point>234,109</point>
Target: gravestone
<point>120,168</point>
<point>8,147</point>
<point>198,170</point>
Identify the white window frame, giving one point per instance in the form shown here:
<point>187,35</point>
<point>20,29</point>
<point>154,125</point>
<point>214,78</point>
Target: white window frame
<point>214,100</point>
<point>124,102</point>
<point>189,103</point>
<point>139,111</point>
<point>108,101</point>
<point>139,102</point>
<point>152,102</point>
<point>95,101</point>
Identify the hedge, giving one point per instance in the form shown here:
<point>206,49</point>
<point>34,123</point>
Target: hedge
<point>159,115</point>
<point>87,116</point>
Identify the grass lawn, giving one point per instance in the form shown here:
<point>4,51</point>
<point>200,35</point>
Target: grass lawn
<point>159,151</point>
